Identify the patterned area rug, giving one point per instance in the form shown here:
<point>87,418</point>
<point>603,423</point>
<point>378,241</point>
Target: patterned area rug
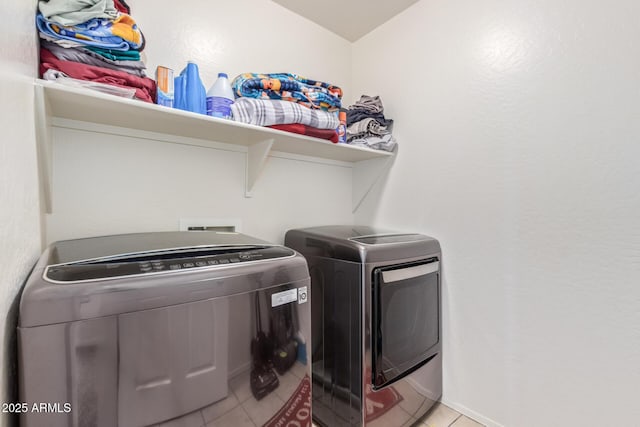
<point>297,410</point>
<point>379,402</point>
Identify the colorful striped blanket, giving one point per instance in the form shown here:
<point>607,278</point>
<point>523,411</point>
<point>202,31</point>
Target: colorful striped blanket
<point>288,87</point>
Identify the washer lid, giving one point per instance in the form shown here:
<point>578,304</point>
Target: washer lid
<point>68,251</point>
<point>161,262</point>
<point>381,239</point>
<point>111,275</point>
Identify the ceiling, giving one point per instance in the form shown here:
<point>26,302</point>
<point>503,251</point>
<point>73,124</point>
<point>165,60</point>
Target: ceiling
<point>350,19</point>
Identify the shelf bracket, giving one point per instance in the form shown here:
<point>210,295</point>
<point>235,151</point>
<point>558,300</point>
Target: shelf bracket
<point>256,158</point>
<point>43,147</point>
<point>366,173</point>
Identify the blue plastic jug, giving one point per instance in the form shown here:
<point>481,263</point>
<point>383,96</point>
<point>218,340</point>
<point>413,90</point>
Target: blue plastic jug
<point>189,92</point>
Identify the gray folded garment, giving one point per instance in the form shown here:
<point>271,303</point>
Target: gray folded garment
<point>88,57</point>
<point>73,12</point>
<point>384,142</point>
<point>366,127</point>
<point>371,104</point>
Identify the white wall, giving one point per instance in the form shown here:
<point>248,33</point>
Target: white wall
<point>106,184</point>
<point>19,198</point>
<point>241,36</point>
<point>518,130</point>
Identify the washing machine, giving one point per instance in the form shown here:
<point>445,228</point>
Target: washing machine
<point>189,328</point>
<point>376,324</point>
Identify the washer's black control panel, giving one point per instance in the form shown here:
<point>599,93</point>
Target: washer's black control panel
<point>162,262</point>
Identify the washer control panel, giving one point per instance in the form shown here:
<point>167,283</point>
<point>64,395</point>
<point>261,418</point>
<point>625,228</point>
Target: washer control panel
<point>161,262</point>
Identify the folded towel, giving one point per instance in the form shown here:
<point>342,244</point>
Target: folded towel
<point>267,112</point>
<point>288,87</point>
<point>73,12</point>
<point>116,55</point>
<point>86,56</point>
<point>119,34</point>
<point>329,134</point>
<point>145,87</point>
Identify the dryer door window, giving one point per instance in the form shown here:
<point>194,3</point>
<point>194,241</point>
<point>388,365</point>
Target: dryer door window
<point>406,317</point>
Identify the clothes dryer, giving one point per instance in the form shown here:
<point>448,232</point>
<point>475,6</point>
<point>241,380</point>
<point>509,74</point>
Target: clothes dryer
<point>376,324</point>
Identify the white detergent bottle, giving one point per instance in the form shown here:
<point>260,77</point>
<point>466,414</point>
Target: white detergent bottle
<point>220,97</point>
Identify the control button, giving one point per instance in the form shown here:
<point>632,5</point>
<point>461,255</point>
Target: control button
<point>155,263</point>
<point>145,269</point>
<point>234,260</point>
<point>302,295</point>
<point>245,256</point>
<point>145,265</point>
<point>201,264</point>
<point>224,261</point>
<point>213,262</point>
<point>187,265</point>
<point>175,266</point>
<point>158,267</point>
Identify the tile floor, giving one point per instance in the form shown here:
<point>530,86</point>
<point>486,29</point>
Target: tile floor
<point>443,416</point>
<point>240,409</point>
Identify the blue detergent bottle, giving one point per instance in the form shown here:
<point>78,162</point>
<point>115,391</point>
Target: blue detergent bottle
<point>189,92</point>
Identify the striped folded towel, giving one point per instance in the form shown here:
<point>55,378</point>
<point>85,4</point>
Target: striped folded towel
<point>264,112</point>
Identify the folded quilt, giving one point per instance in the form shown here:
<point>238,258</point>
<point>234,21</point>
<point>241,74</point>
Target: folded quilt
<point>288,87</point>
<point>298,128</point>
<point>119,34</point>
<point>73,12</point>
<point>268,112</point>
<point>145,87</point>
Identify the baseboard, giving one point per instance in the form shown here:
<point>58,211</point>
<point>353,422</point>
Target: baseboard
<point>240,369</point>
<point>471,414</point>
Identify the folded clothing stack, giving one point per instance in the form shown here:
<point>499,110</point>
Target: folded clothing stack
<point>367,126</point>
<point>93,40</point>
<point>287,102</point>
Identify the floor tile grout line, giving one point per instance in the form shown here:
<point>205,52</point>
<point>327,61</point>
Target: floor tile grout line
<point>223,413</point>
<point>247,414</point>
<point>454,421</point>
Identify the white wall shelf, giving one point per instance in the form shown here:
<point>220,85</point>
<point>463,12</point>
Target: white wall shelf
<point>54,100</point>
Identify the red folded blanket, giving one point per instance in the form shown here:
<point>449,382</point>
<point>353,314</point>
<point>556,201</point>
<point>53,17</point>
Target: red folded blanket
<point>301,129</point>
<point>145,87</point>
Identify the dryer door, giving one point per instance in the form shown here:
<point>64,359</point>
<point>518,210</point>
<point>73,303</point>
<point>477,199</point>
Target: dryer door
<point>406,318</point>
